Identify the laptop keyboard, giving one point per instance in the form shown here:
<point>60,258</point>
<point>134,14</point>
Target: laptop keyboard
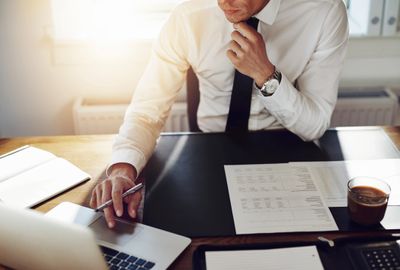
<point>118,260</point>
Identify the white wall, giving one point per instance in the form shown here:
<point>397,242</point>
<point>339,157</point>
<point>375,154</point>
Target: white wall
<point>39,81</point>
<point>372,61</point>
<point>37,85</point>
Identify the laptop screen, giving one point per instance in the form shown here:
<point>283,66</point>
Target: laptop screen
<point>29,240</point>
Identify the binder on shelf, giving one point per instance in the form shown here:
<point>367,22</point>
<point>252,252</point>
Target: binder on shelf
<point>390,17</point>
<point>366,17</point>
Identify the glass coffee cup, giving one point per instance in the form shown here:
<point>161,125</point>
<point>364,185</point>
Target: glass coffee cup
<point>367,200</point>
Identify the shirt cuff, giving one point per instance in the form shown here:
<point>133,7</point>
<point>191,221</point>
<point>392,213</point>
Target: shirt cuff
<point>282,103</point>
<point>130,156</point>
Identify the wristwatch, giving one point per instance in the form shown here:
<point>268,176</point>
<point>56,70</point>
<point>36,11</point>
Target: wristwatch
<point>272,83</point>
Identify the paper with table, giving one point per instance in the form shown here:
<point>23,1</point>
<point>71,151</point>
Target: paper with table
<point>332,176</point>
<point>271,198</point>
<point>274,259</point>
<point>29,176</point>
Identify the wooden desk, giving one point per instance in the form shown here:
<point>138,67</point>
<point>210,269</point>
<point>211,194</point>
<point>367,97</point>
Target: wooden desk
<point>92,153</point>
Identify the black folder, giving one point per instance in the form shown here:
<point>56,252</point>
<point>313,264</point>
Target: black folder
<point>186,189</point>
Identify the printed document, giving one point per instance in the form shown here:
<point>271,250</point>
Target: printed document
<point>331,177</point>
<point>295,258</point>
<point>271,198</point>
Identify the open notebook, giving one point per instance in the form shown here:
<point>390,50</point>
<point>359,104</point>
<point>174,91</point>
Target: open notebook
<point>29,176</point>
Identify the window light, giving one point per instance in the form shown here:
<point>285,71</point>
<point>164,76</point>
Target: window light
<point>109,21</point>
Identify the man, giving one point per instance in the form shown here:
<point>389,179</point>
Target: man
<point>294,57</point>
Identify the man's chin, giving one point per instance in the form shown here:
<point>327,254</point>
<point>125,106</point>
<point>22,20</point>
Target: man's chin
<point>233,19</point>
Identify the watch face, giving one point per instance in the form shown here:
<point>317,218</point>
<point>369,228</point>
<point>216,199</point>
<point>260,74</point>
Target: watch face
<point>270,87</point>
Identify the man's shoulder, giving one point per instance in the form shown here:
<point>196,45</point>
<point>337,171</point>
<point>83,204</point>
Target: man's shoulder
<point>314,3</point>
<point>310,6</point>
<point>332,2</point>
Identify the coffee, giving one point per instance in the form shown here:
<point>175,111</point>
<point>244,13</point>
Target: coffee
<point>366,204</point>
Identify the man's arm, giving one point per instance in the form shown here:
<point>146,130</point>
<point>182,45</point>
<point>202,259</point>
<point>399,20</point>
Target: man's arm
<point>145,118</point>
<point>311,101</point>
<point>154,95</point>
<point>306,107</point>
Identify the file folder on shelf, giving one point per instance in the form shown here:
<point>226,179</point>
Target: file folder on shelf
<point>366,17</point>
<point>390,17</point>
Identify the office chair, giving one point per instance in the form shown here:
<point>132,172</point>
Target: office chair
<point>192,98</point>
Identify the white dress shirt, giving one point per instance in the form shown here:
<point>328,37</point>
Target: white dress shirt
<point>305,39</point>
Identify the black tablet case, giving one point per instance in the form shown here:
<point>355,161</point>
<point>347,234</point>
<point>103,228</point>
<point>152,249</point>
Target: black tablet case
<point>345,254</point>
<point>186,190</point>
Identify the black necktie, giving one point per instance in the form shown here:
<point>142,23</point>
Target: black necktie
<point>239,109</point>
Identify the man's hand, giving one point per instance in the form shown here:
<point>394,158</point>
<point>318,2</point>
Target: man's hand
<point>248,54</point>
<point>121,179</point>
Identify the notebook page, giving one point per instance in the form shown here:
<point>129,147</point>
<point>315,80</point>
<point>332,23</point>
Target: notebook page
<point>41,183</point>
<point>21,161</point>
<point>295,258</point>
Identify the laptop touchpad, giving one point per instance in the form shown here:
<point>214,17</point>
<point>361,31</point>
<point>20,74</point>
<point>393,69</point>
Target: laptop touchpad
<point>121,234</point>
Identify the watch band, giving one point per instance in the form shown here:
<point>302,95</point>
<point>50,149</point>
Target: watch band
<point>271,84</point>
<point>276,75</point>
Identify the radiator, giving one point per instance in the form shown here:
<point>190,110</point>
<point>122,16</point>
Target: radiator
<point>355,107</point>
<point>96,117</point>
<point>365,107</point>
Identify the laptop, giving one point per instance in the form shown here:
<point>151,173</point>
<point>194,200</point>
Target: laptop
<point>75,237</point>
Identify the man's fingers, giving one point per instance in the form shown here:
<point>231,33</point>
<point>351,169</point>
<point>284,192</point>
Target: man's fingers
<point>93,201</point>
<point>117,198</point>
<point>246,31</point>
<point>105,196</point>
<point>109,216</point>
<point>240,40</point>
<point>234,46</point>
<point>133,202</point>
<point>232,56</point>
<point>98,194</point>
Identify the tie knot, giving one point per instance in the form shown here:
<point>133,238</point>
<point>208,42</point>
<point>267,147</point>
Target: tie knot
<point>253,22</point>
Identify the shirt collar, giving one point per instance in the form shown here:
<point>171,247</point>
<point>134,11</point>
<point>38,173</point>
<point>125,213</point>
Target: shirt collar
<point>269,12</point>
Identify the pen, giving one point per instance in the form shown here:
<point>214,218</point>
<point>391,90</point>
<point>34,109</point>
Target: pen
<point>126,193</point>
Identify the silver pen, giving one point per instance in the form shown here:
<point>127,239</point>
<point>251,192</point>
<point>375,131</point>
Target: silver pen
<point>126,193</point>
